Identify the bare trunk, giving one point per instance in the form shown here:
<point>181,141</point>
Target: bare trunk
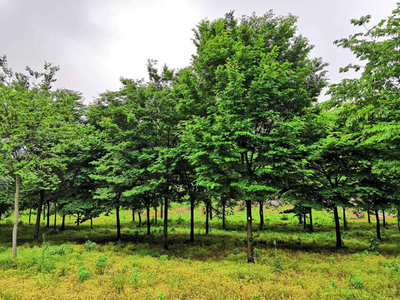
<point>250,244</point>
<point>118,222</point>
<point>44,210</point>
<point>16,213</point>
<point>344,219</point>
<point>63,223</point>
<point>78,219</point>
<point>161,209</point>
<point>140,219</point>
<point>378,225</point>
<point>30,215</point>
<point>166,223</point>
<point>48,214</point>
<point>305,221</point>
<point>55,216</point>
<point>311,222</point>
<point>339,243</point>
<point>383,218</point>
<point>38,215</point>
<point>191,219</point>
<point>133,215</point>
<point>223,213</point>
<point>91,221</point>
<point>148,219</point>
<point>207,216</point>
<point>369,216</point>
<point>300,219</point>
<point>155,215</point>
<point>261,215</point>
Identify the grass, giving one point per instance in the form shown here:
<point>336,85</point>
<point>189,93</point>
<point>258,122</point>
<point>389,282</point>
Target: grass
<point>87,263</point>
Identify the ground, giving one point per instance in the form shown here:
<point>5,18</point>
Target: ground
<point>87,263</point>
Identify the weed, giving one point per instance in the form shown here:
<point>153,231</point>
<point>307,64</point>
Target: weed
<point>356,282</point>
<point>84,273</point>
<point>90,246</point>
<point>101,264</point>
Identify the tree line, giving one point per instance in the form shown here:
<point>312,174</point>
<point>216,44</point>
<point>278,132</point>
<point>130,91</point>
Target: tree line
<point>240,125</point>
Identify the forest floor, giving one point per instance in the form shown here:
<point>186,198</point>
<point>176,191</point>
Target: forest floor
<point>291,263</point>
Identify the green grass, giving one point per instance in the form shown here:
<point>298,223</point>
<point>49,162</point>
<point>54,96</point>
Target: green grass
<point>290,262</point>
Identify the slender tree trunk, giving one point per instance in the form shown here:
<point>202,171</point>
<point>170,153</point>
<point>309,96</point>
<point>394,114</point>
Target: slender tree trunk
<point>166,223</point>
<point>133,215</point>
<point>261,215</point>
<point>78,220</point>
<point>223,214</point>
<point>344,219</point>
<point>39,214</point>
<point>30,215</point>
<point>63,223</point>
<point>383,218</point>
<point>192,219</point>
<point>91,221</point>
<point>300,219</point>
<point>155,215</point>
<point>0,215</point>
<point>378,225</point>
<point>140,219</point>
<point>207,217</point>
<point>369,216</point>
<point>148,219</point>
<point>210,210</point>
<point>48,214</point>
<point>305,221</point>
<point>55,216</point>
<point>118,221</point>
<point>311,222</point>
<point>161,209</point>
<point>44,210</point>
<point>398,218</point>
<point>16,213</point>
<point>337,227</point>
<point>250,244</point>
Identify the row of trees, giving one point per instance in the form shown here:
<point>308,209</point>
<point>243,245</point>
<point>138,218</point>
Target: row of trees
<point>240,125</point>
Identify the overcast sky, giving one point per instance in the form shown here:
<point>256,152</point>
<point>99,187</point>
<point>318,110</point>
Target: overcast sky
<point>95,42</point>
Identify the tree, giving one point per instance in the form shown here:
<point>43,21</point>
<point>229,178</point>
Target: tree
<point>261,74</point>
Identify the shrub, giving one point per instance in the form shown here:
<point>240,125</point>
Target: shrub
<point>101,264</point>
<point>277,264</point>
<point>164,257</point>
<point>256,253</point>
<point>60,250</point>
<point>135,276</point>
<point>84,273</point>
<point>374,244</point>
<point>90,246</point>
<point>118,282</point>
<point>236,251</point>
<point>356,282</point>
<point>3,249</point>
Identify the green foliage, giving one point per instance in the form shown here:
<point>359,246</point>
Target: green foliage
<point>101,264</point>
<point>84,273</point>
<point>356,282</point>
<point>90,246</point>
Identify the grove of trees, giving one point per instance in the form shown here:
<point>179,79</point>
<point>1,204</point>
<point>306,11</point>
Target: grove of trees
<point>239,126</point>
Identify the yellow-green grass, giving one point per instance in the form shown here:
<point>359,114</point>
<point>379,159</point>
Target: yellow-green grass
<point>290,263</point>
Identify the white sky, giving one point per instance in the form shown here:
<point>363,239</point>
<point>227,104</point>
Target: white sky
<point>95,42</point>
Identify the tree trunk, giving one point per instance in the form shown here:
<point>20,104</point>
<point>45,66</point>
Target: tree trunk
<point>133,215</point>
<point>210,210</point>
<point>155,215</point>
<point>48,214</point>
<point>300,219</point>
<point>140,219</point>
<point>63,223</point>
<point>311,222</point>
<point>339,243</point>
<point>166,223</point>
<point>261,215</point>
<point>161,209</point>
<point>44,210</point>
<point>55,216</point>
<point>30,214</point>
<point>398,218</point>
<point>192,219</point>
<point>207,216</point>
<point>0,215</point>
<point>223,213</point>
<point>344,219</point>
<point>369,216</point>
<point>383,218</point>
<point>38,215</point>
<point>91,221</point>
<point>250,245</point>
<point>118,222</point>
<point>16,213</point>
<point>77,220</point>
<point>378,225</point>
<point>148,219</point>
<point>305,221</point>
